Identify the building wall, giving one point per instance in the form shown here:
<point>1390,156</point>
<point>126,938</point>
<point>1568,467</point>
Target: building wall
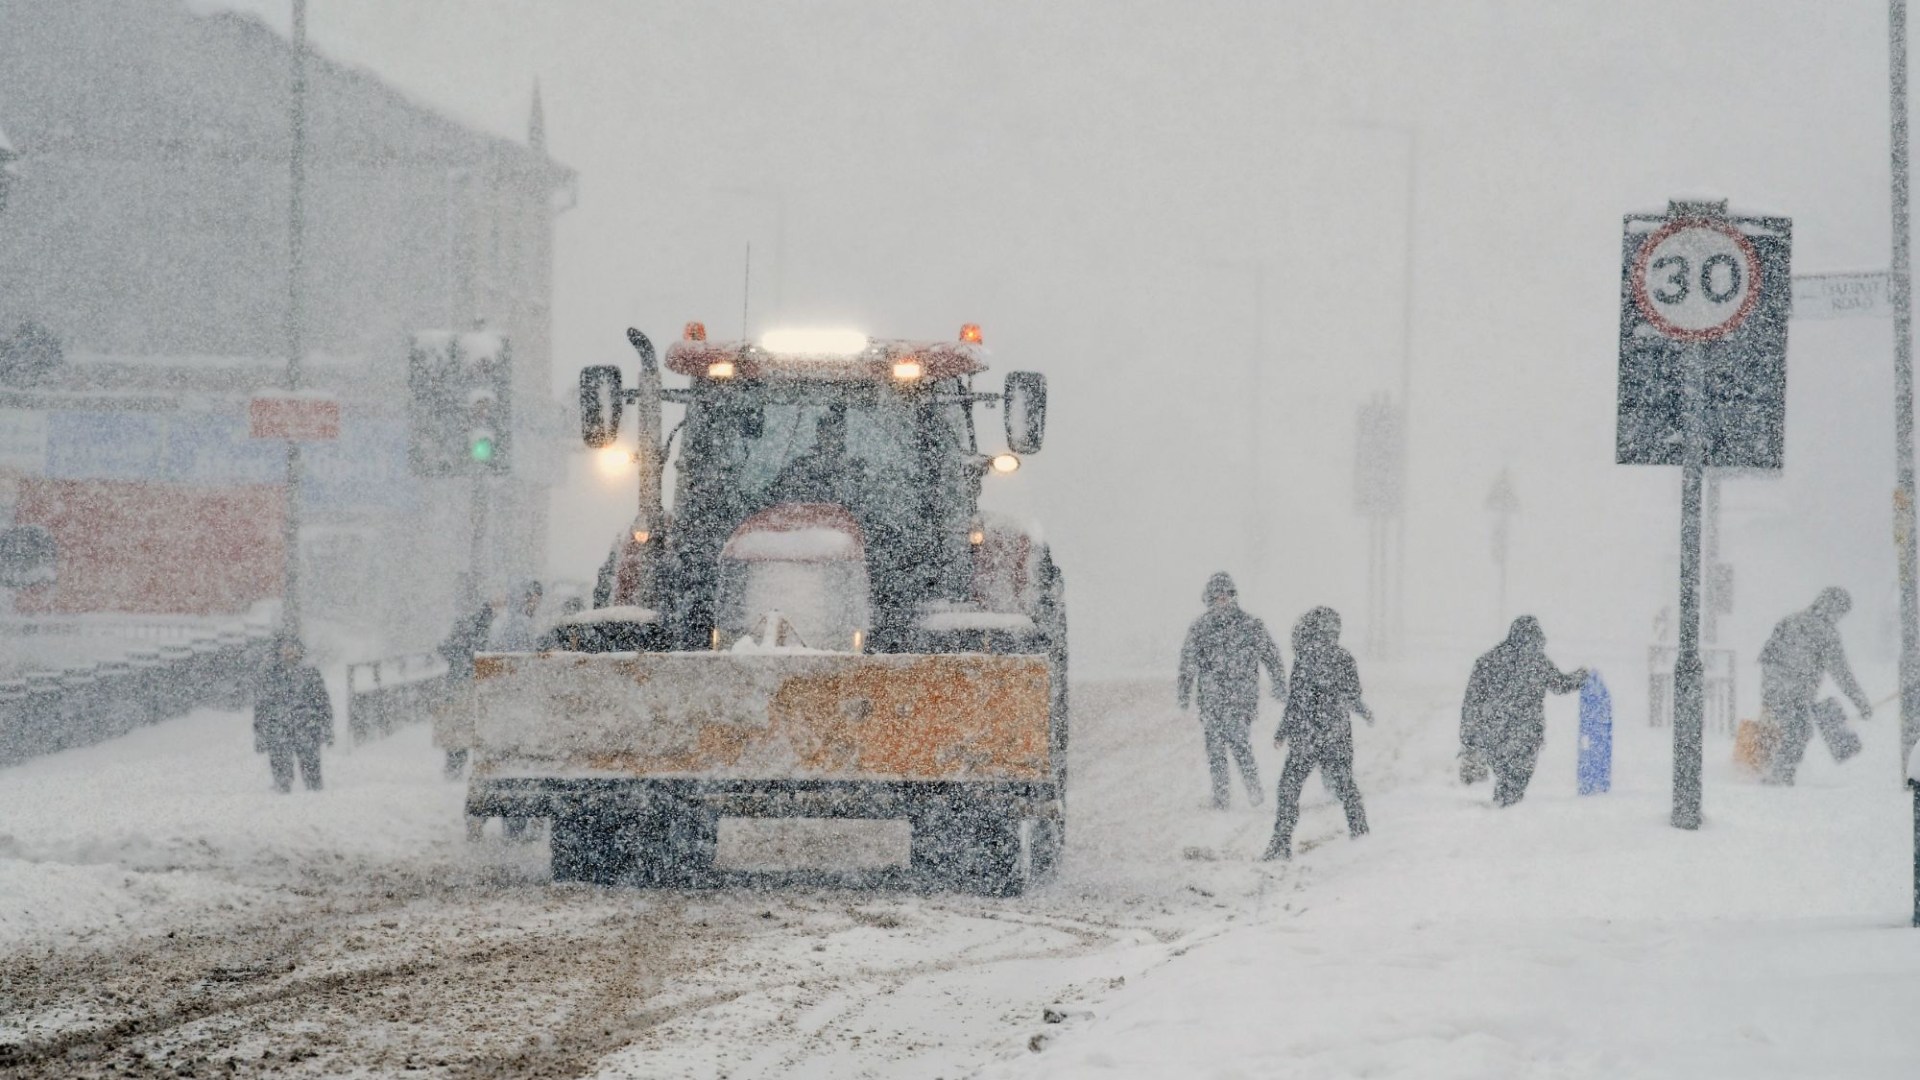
<point>150,220</point>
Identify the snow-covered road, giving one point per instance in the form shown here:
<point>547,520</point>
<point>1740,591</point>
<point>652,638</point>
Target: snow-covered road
<point>160,909</point>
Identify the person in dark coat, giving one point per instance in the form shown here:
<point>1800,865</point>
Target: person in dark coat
<point>292,716</point>
<point>1317,730</point>
<point>468,636</point>
<point>1220,669</point>
<point>1503,720</point>
<point>1804,648</point>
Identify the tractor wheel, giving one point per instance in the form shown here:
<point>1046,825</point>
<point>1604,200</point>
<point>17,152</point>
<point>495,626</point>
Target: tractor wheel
<point>1047,841</point>
<point>970,849</point>
<point>589,848</point>
<point>674,848</point>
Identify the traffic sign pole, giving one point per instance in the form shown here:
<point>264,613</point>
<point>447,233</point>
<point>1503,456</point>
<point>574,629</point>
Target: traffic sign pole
<point>1689,698</point>
<point>1704,304</point>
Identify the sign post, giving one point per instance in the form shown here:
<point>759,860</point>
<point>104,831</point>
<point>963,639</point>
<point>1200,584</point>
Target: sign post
<point>1704,303</point>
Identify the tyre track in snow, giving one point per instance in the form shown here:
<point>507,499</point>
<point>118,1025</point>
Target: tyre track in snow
<point>439,969</point>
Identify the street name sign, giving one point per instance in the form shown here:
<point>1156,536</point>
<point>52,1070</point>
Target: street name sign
<point>1842,296</point>
<point>306,419</point>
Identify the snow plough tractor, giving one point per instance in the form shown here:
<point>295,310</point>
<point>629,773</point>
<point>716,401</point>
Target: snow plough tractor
<point>825,624</point>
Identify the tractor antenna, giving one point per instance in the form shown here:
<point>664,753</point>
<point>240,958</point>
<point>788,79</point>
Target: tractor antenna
<point>746,290</point>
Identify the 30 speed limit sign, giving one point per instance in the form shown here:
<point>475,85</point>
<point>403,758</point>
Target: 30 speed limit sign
<point>1696,280</point>
<point>1704,291</point>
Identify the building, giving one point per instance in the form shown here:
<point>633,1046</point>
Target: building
<point>146,230</point>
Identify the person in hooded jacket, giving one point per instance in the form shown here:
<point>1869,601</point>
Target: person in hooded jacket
<point>1804,648</point>
<point>292,716</point>
<point>1220,669</point>
<point>1317,730</point>
<point>1503,719</point>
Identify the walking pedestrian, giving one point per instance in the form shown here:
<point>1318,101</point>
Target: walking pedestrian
<point>1317,730</point>
<point>452,720</point>
<point>1804,647</point>
<point>1503,720</point>
<point>1220,671</point>
<point>292,716</point>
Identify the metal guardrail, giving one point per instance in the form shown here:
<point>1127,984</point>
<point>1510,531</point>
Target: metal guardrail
<point>383,695</point>
<point>1722,705</point>
<point>45,711</point>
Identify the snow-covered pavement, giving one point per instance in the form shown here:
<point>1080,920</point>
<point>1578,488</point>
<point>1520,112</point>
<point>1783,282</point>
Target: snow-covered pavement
<point>1566,937</point>
<point>161,908</point>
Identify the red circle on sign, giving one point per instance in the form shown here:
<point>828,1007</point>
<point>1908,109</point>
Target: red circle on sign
<point>1668,327</point>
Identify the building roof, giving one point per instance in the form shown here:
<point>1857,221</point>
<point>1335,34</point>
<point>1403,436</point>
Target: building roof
<point>139,79</point>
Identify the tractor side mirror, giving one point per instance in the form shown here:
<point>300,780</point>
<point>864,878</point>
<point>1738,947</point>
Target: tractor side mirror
<point>1025,411</point>
<point>600,405</point>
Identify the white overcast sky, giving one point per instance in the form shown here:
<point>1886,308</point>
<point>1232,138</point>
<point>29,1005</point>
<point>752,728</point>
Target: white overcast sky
<point>1142,198</point>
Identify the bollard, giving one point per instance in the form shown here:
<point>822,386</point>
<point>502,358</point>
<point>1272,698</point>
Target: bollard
<point>1596,737</point>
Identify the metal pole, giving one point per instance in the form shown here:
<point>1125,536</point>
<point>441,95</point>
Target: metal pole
<point>1915,785</point>
<point>1688,697</point>
<point>1710,559</point>
<point>477,540</point>
<point>1902,286</point>
<point>296,313</point>
<point>1406,394</point>
<point>1256,398</point>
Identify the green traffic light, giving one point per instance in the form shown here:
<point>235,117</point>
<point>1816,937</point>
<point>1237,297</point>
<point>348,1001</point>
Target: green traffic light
<point>482,450</point>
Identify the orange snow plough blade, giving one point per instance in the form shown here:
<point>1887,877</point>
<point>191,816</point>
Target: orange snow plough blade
<point>775,716</point>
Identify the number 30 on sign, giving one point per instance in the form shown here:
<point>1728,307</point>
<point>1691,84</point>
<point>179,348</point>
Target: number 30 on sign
<point>1696,279</point>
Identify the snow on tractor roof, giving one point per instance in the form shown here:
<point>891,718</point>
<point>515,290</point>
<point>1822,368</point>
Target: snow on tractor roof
<point>826,355</point>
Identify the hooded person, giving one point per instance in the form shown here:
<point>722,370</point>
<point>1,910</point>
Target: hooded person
<point>515,632</point>
<point>1803,648</point>
<point>1220,671</point>
<point>1503,719</point>
<point>292,715</point>
<point>1317,729</point>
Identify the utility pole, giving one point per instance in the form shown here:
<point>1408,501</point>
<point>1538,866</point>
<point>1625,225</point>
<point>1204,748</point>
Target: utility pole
<point>1901,287</point>
<point>296,312</point>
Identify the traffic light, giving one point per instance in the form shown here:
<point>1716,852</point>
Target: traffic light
<point>459,407</point>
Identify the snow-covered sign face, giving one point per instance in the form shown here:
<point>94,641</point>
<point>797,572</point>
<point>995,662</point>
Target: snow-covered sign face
<point>1696,280</point>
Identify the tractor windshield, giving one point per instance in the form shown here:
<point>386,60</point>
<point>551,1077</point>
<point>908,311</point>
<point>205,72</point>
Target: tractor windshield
<point>902,464</point>
<point>877,453</point>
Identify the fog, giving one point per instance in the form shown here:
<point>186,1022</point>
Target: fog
<point>774,776</point>
<point>1145,201</point>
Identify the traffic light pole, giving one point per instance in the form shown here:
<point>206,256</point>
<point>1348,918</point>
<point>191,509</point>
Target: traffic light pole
<point>477,541</point>
<point>296,313</point>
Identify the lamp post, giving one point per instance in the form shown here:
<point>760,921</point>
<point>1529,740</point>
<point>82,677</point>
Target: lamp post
<point>1900,288</point>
